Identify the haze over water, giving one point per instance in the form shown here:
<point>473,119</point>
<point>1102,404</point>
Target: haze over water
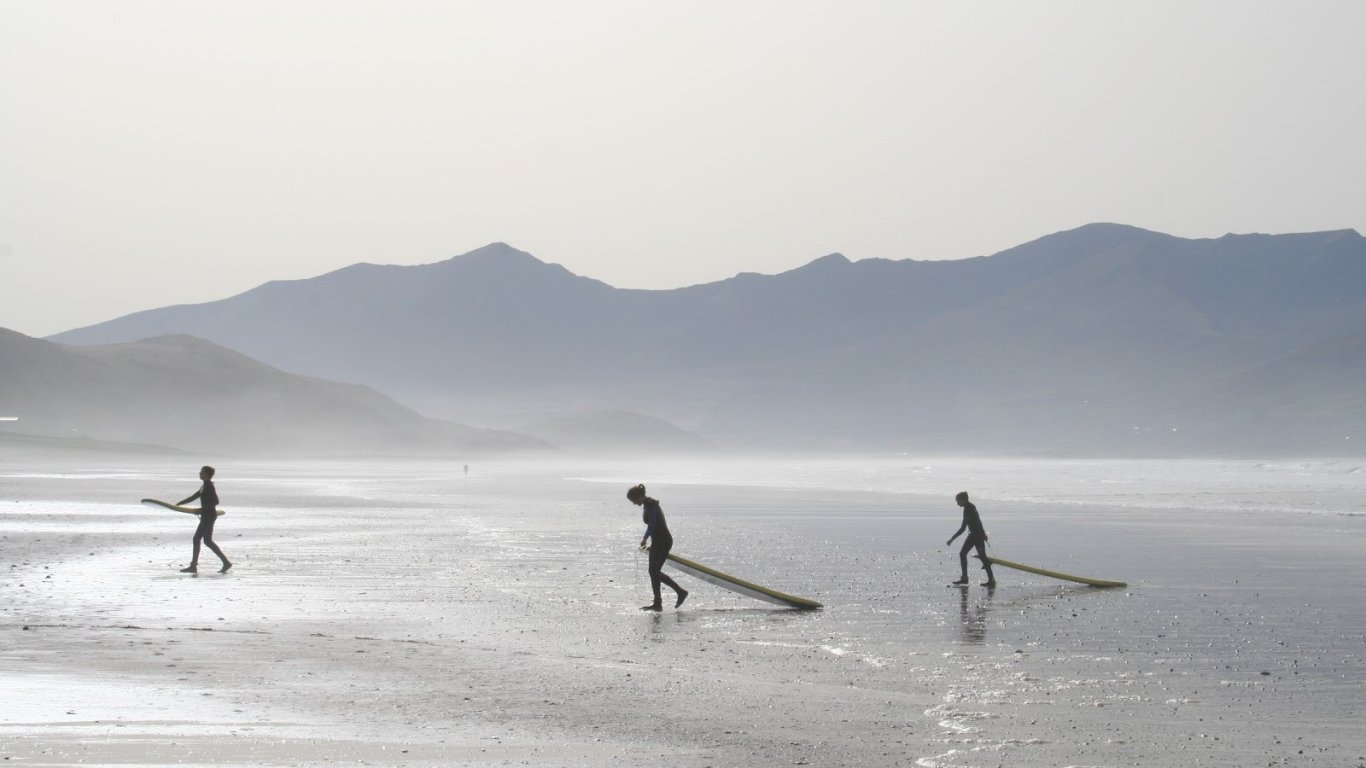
<point>381,607</point>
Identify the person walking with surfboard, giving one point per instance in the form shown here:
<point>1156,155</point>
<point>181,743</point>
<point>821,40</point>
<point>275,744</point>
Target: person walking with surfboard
<point>661,541</point>
<point>977,537</point>
<point>208,514</point>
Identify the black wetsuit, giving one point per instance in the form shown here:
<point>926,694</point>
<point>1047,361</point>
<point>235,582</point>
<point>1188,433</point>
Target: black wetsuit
<point>208,515</point>
<point>977,538</point>
<point>661,541</point>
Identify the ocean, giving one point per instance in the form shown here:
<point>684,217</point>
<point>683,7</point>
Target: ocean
<point>397,613</point>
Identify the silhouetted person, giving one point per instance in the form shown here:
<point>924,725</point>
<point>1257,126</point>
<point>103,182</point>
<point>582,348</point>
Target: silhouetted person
<point>661,541</point>
<point>977,537</point>
<point>208,514</point>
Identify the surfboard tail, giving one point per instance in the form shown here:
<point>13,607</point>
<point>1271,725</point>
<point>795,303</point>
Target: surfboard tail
<point>1055,574</point>
<point>738,585</point>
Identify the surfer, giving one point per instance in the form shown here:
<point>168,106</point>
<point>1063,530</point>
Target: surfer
<point>661,541</point>
<point>977,537</point>
<point>208,514</point>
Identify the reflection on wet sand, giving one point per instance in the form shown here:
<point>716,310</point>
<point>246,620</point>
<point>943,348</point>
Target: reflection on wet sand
<point>973,615</point>
<point>389,613</point>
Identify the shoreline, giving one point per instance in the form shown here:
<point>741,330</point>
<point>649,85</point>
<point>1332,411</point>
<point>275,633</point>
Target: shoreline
<point>494,620</point>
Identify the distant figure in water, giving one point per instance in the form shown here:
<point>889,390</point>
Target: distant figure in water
<point>661,541</point>
<point>208,514</point>
<point>977,537</point>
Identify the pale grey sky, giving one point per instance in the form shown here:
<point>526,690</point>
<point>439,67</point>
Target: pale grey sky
<point>166,152</point>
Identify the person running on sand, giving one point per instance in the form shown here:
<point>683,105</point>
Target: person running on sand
<point>661,541</point>
<point>208,514</point>
<point>977,537</point>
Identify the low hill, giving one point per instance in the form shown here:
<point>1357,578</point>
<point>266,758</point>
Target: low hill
<point>186,393</point>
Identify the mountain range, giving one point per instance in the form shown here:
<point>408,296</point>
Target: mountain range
<point>180,392</point>
<point>1102,340</point>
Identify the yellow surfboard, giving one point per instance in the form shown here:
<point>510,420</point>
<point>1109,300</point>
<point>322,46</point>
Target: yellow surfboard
<point>169,505</point>
<point>738,585</point>
<point>1056,574</point>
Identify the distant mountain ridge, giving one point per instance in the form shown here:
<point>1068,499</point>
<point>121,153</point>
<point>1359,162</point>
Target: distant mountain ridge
<point>1106,339</point>
<point>190,394</point>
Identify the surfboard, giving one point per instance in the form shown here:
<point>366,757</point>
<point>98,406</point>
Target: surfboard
<point>738,585</point>
<point>168,505</point>
<point>1055,574</point>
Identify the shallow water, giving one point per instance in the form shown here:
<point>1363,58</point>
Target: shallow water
<point>493,617</point>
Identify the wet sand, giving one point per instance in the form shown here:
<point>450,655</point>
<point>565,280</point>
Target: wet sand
<point>403,614</point>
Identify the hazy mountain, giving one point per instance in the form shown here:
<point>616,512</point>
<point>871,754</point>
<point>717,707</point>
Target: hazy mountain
<point>1103,339</point>
<point>188,393</point>
<point>618,433</point>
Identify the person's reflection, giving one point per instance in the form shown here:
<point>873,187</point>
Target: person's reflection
<point>659,626</point>
<point>973,617</point>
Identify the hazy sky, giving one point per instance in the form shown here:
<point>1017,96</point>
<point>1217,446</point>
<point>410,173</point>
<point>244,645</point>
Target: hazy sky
<point>156,153</point>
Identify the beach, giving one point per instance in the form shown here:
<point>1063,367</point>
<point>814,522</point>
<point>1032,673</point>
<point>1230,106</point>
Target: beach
<point>407,613</point>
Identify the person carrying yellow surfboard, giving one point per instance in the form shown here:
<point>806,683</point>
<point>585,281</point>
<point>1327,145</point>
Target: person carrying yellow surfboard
<point>661,541</point>
<point>208,514</point>
<point>977,537</point>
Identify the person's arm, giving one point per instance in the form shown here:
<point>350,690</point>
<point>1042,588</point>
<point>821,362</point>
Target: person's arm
<point>192,498</point>
<point>961,528</point>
